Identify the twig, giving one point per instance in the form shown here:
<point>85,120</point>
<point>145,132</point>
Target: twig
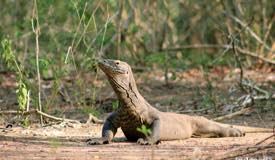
<point>28,101</point>
<point>241,152</point>
<point>256,88</point>
<point>40,113</point>
<point>36,31</point>
<point>197,46</point>
<point>244,25</point>
<point>71,47</point>
<point>229,116</point>
<point>56,118</point>
<point>226,46</point>
<point>267,33</point>
<point>273,135</point>
<point>17,112</point>
<point>193,111</point>
<point>237,58</point>
<point>264,97</point>
<point>93,119</point>
<point>255,55</point>
<point>63,140</point>
<point>118,25</point>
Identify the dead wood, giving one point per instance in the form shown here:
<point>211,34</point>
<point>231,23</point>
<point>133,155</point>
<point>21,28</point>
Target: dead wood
<point>242,151</point>
<point>234,114</point>
<point>36,111</point>
<point>225,46</point>
<point>272,136</point>
<point>94,119</point>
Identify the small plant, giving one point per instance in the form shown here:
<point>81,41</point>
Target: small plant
<point>25,122</point>
<point>115,104</point>
<point>146,131</point>
<point>22,96</point>
<point>209,97</point>
<point>9,58</point>
<point>22,91</point>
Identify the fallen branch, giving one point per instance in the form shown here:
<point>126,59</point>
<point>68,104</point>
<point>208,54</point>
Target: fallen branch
<point>93,119</point>
<point>242,151</point>
<point>56,118</point>
<point>18,112</point>
<point>273,135</point>
<point>255,55</point>
<point>194,111</point>
<point>256,88</point>
<point>61,140</point>
<point>225,46</point>
<point>229,116</point>
<point>36,111</point>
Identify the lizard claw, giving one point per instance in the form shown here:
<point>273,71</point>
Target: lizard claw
<point>142,141</point>
<point>233,132</point>
<point>96,141</point>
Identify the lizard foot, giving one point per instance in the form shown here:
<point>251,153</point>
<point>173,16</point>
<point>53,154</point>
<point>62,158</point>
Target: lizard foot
<point>142,141</point>
<point>97,141</point>
<point>233,132</point>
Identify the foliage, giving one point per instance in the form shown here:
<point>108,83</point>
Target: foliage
<point>144,27</point>
<point>146,131</point>
<point>22,94</point>
<point>73,34</point>
<point>115,104</point>
<point>8,56</point>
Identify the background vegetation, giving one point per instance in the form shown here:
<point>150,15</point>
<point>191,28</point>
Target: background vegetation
<point>59,41</point>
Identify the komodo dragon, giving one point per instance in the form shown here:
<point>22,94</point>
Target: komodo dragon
<point>135,111</point>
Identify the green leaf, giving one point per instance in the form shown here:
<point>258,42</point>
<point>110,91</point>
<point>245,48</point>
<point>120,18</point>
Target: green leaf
<point>115,104</point>
<point>146,131</point>
<point>22,94</point>
<point>7,54</point>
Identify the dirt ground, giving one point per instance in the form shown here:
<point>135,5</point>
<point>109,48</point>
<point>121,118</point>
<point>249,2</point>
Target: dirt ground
<point>63,142</point>
<point>67,141</point>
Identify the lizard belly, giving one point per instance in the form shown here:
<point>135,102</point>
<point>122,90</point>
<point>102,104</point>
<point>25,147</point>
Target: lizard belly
<point>174,126</point>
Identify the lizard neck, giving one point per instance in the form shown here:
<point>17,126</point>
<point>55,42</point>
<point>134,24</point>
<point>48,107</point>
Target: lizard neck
<point>129,96</point>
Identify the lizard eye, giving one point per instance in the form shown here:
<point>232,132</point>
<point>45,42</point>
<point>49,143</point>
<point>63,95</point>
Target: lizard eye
<point>117,63</point>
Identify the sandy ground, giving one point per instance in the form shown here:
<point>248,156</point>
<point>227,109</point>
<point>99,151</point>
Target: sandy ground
<point>63,142</point>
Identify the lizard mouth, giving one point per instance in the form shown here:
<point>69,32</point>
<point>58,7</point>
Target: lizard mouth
<point>109,66</point>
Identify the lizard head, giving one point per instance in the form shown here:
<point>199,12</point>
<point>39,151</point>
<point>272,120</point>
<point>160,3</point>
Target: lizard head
<point>118,72</point>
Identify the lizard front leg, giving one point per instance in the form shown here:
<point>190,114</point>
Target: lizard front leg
<point>154,137</point>
<point>108,131</point>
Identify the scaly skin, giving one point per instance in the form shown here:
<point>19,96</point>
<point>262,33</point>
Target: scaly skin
<point>135,111</point>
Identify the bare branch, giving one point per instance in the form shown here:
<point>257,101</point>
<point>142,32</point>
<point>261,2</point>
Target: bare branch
<point>242,151</point>
<point>253,34</point>
<point>36,111</point>
<point>229,116</point>
<point>225,46</point>
<point>36,31</point>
